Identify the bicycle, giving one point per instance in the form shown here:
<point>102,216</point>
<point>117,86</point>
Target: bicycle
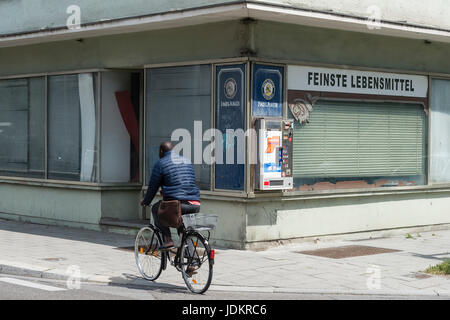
<point>192,254</point>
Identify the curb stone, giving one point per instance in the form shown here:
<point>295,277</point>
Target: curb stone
<point>55,274</point>
<point>20,269</point>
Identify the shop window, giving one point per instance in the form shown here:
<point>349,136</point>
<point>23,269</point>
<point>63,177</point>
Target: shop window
<point>72,147</point>
<point>360,145</point>
<point>22,127</point>
<point>120,126</point>
<point>440,131</point>
<point>179,98</point>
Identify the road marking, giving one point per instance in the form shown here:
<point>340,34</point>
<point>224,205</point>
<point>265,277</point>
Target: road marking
<point>31,284</point>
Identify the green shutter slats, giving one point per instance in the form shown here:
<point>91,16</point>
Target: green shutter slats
<point>360,140</point>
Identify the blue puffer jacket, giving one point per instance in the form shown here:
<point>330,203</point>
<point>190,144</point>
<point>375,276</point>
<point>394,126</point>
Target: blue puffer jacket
<point>175,175</point>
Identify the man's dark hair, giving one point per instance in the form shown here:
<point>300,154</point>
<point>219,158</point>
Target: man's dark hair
<point>165,147</point>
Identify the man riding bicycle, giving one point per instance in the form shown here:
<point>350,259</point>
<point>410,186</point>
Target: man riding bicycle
<point>175,175</point>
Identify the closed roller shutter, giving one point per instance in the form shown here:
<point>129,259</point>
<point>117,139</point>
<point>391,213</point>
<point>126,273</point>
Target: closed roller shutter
<point>360,140</point>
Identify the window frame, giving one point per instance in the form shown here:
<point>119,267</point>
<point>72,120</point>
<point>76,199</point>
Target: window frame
<point>350,97</point>
<point>97,185</point>
<point>141,71</point>
<point>249,191</point>
<point>394,101</point>
<point>432,77</point>
<point>44,79</point>
<point>212,63</point>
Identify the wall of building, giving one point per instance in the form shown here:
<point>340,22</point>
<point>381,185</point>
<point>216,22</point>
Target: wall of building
<point>316,45</point>
<point>69,206</point>
<point>52,205</point>
<point>231,227</point>
<point>329,214</point>
<point>241,223</point>
<point>121,204</point>
<point>82,206</point>
<point>231,216</point>
<point>229,39</point>
<point>271,221</point>
<point>18,16</point>
<point>219,40</point>
<point>432,13</point>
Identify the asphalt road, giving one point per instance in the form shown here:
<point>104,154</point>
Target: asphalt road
<point>28,288</point>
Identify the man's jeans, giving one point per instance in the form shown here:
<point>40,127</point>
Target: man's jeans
<point>186,208</point>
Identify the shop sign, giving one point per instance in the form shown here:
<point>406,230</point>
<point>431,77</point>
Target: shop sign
<point>267,91</point>
<point>230,114</point>
<point>356,82</point>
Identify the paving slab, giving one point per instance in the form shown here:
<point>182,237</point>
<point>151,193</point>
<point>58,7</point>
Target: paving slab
<point>55,252</point>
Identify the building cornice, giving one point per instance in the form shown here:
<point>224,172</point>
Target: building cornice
<point>225,12</point>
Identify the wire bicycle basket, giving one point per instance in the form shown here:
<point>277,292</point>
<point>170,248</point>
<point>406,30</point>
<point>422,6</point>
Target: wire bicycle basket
<point>200,221</point>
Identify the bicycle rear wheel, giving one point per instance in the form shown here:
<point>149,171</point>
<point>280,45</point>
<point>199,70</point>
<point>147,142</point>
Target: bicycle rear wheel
<point>149,259</point>
<point>196,263</point>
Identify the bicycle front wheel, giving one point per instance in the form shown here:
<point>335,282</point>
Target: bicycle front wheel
<point>149,259</point>
<point>196,263</point>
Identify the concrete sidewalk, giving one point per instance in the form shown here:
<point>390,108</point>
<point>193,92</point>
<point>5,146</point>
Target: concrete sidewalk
<point>59,252</point>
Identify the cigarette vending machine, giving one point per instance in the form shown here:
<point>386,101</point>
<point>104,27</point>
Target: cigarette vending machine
<point>275,140</point>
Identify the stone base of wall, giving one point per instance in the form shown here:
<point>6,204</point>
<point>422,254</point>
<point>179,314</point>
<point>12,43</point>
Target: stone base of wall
<point>254,223</point>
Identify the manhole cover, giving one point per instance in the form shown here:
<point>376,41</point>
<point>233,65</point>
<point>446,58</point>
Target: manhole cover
<point>346,251</point>
<point>417,275</point>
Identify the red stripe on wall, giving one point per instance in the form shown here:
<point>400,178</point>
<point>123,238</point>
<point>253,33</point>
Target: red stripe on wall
<point>123,99</point>
<point>125,105</point>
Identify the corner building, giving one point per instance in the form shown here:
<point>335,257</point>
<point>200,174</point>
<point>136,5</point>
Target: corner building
<point>89,89</point>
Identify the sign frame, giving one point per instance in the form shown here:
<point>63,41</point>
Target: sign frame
<point>350,81</point>
<point>267,90</point>
<point>224,102</point>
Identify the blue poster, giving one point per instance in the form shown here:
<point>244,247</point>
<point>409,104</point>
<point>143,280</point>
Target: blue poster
<point>230,114</point>
<point>267,91</point>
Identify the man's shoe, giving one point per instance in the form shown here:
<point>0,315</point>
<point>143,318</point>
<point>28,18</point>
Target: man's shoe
<point>190,271</point>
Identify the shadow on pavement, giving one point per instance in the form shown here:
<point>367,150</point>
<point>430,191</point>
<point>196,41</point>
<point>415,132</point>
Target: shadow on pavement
<point>68,233</point>
<point>437,256</point>
<point>134,282</point>
<point>120,241</point>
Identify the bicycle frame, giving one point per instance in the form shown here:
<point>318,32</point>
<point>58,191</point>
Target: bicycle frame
<point>176,260</point>
<point>189,257</point>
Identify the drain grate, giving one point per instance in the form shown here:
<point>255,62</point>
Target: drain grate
<point>347,251</point>
<point>419,275</point>
<point>54,259</point>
